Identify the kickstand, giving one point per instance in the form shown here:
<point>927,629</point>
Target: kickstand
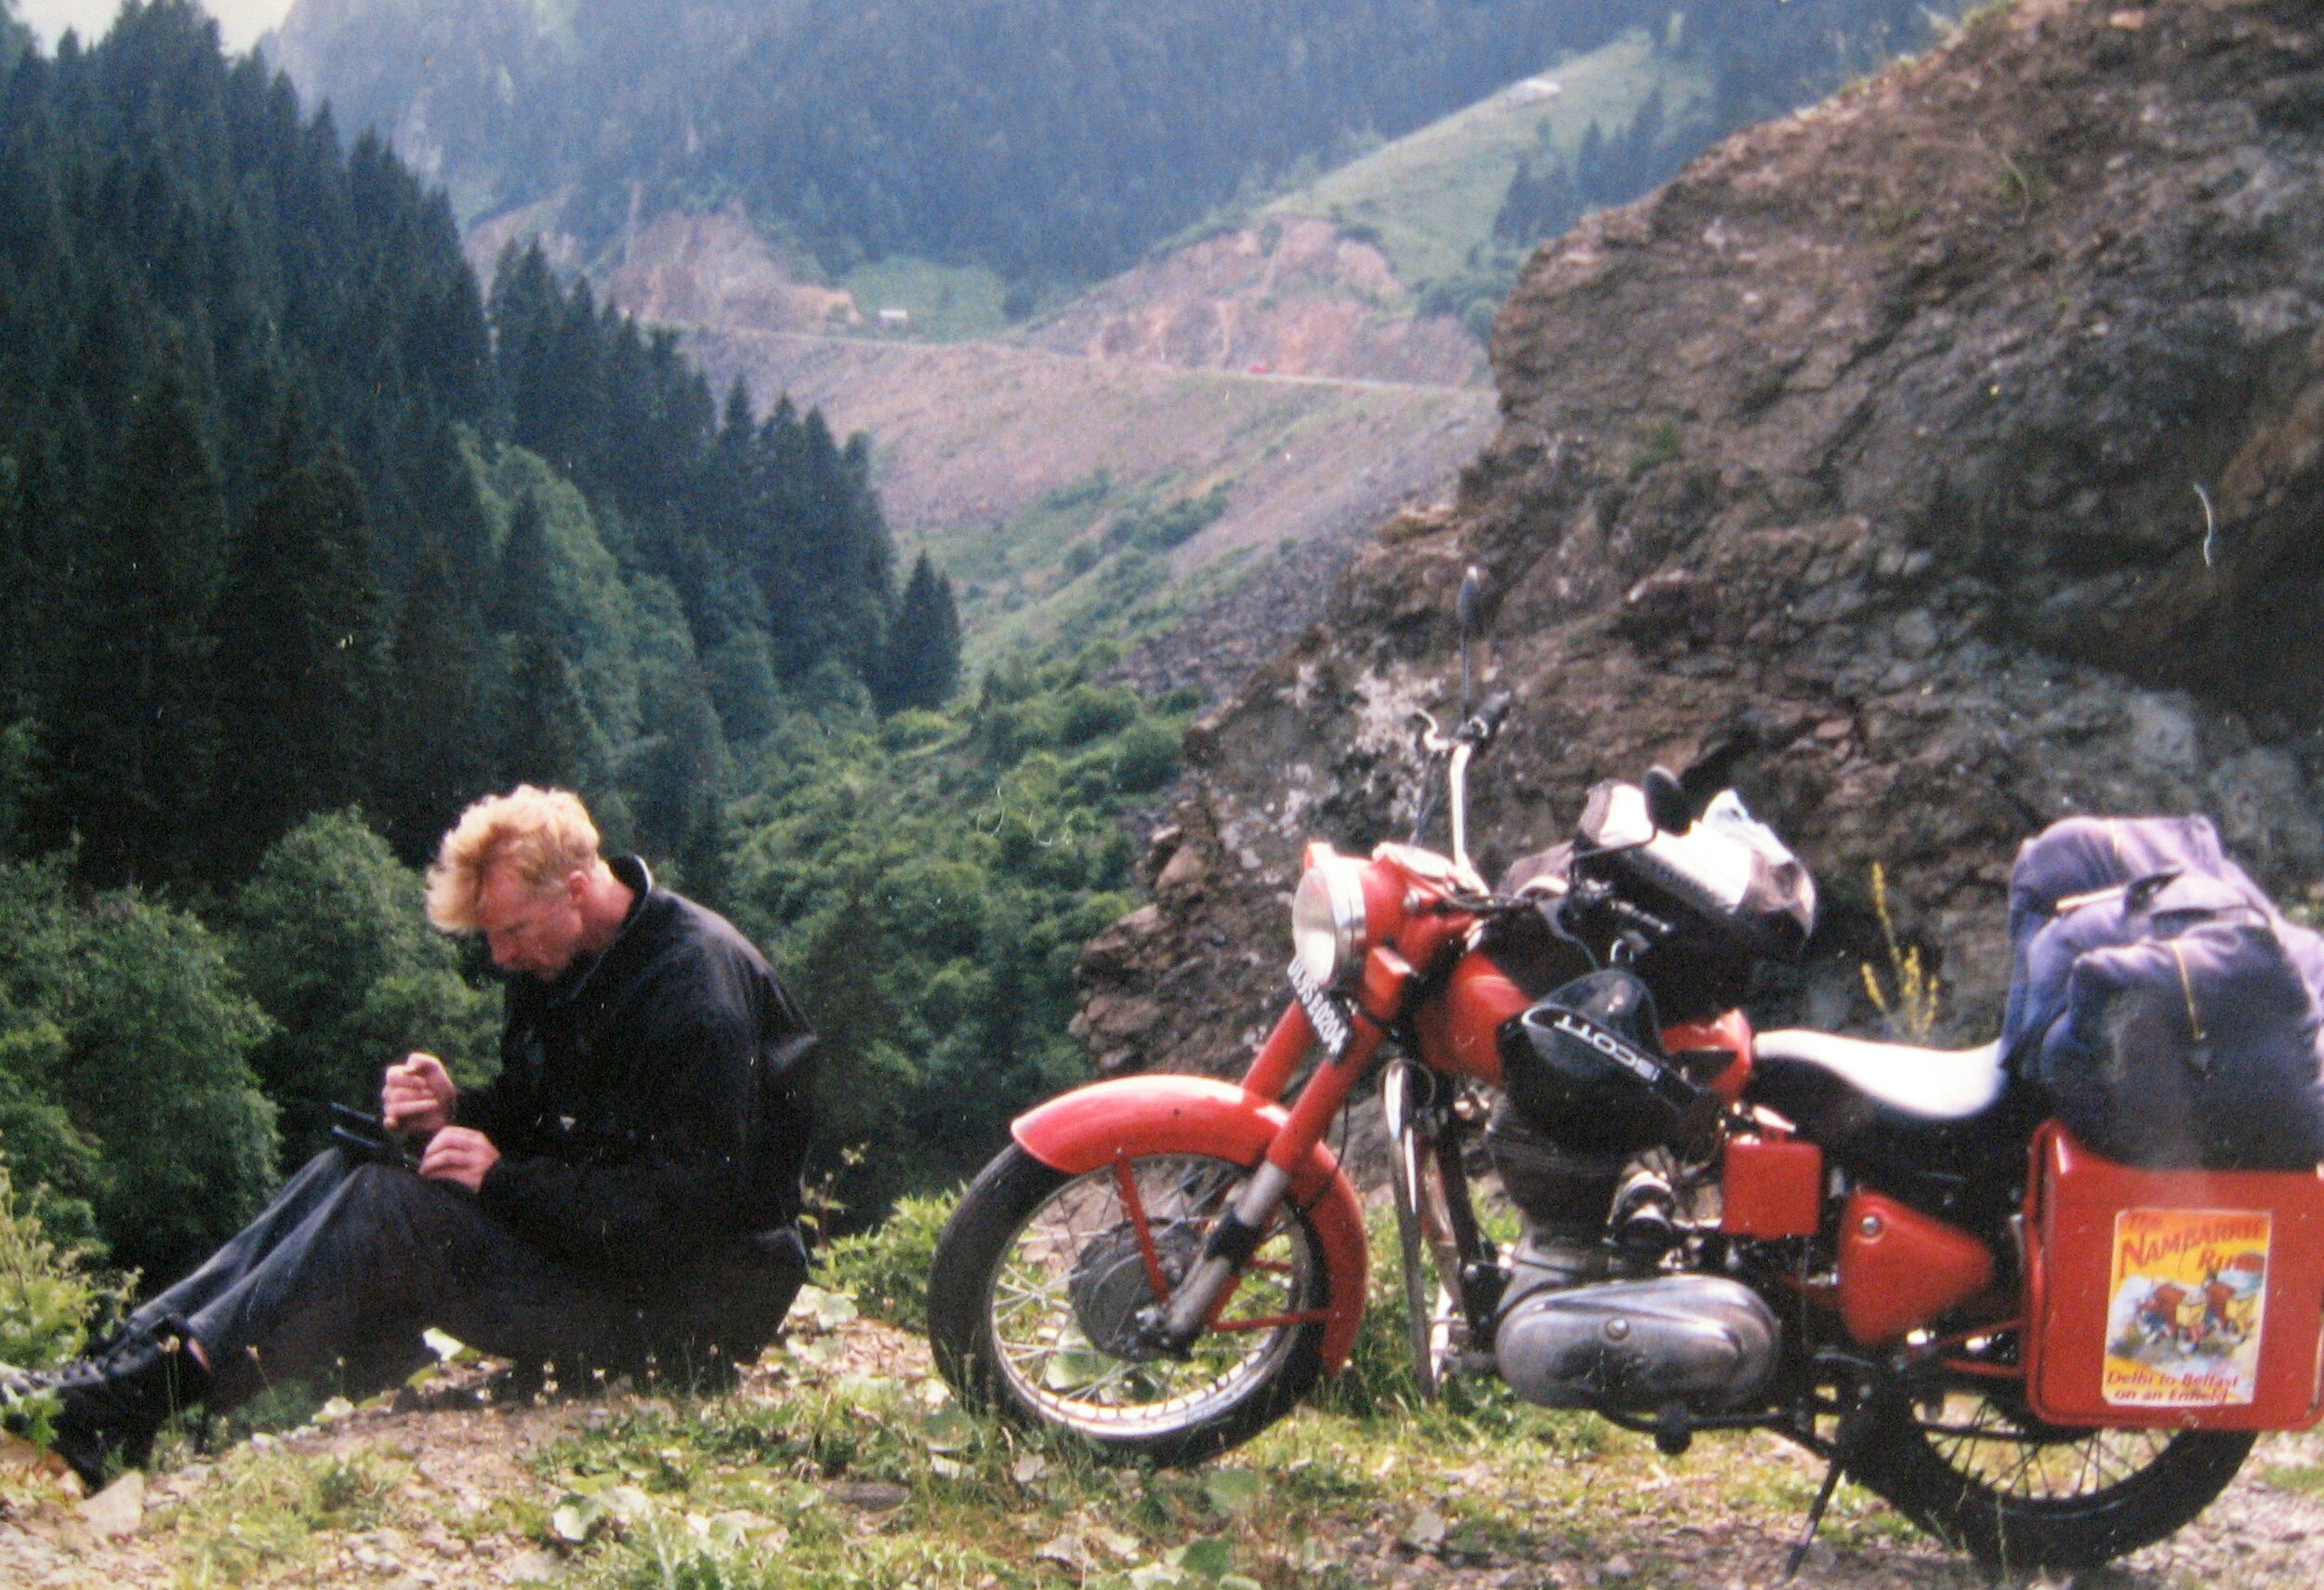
<point>1853,1426</point>
<point>1814,1518</point>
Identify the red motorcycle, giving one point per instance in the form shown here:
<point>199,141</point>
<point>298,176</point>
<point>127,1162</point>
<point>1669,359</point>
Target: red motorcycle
<point>1889,1254</point>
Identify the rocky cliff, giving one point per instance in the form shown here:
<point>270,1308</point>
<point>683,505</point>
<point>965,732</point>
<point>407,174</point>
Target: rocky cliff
<point>1966,431</point>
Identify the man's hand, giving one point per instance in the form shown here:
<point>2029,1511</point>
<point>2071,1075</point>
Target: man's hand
<point>455,1154</point>
<point>418,1094</point>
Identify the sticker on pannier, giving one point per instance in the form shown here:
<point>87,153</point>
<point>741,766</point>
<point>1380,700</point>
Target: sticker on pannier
<point>2182,1329</point>
<point>2172,1299</point>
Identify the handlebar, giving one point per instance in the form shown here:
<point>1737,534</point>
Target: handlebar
<point>1480,730</point>
<point>1483,727</point>
<point>1456,748</point>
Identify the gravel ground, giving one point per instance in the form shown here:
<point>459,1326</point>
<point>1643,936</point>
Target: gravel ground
<point>465,1461</point>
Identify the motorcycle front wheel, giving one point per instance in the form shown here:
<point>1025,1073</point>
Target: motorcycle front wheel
<point>1040,1278</point>
<point>2020,1496</point>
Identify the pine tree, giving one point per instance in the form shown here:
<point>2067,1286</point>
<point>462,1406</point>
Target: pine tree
<point>548,738</point>
<point>923,661</point>
<point>525,597</point>
<point>435,750</point>
<point>135,730</point>
<point>1541,201</point>
<point>299,659</point>
<point>1592,179</point>
<point>16,39</point>
<point>22,606</point>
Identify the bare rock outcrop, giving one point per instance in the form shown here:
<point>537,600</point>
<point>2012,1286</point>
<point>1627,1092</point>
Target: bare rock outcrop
<point>1290,297</point>
<point>1967,432</point>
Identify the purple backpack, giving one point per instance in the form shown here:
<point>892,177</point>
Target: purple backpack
<point>2170,1008</point>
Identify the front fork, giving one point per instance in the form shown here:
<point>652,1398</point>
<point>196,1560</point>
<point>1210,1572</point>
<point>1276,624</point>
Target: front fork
<point>1237,1235</point>
<point>1436,1219</point>
<point>1408,1141</point>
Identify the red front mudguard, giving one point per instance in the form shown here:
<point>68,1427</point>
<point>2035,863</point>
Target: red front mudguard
<point>1167,1113</point>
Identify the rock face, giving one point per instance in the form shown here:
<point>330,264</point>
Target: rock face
<point>1292,298</point>
<point>716,270</point>
<point>712,269</point>
<point>1966,431</point>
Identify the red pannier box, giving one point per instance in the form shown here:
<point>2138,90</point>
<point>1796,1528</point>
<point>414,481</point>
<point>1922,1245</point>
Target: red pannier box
<point>2186,1299</point>
<point>1771,1186</point>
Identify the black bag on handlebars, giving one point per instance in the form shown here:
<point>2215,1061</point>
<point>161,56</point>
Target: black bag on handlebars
<point>1586,1064</point>
<point>1691,913</point>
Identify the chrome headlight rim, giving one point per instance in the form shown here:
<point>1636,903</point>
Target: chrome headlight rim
<point>1327,922</point>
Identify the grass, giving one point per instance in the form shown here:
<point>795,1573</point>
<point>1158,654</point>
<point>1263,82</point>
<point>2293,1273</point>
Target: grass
<point>275,1508</point>
<point>1013,559</point>
<point>1087,563</point>
<point>2305,1479</point>
<point>2024,185</point>
<point>1913,1006</point>
<point>1428,199</point>
<point>838,1469</point>
<point>945,303</point>
<point>826,1476</point>
<point>1111,559</point>
<point>1659,444</point>
<point>723,1495</point>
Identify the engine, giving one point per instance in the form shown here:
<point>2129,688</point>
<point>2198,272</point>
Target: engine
<point>1632,1346</point>
<point>1571,1331</point>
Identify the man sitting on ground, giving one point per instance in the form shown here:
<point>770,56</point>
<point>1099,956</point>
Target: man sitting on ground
<point>623,1197</point>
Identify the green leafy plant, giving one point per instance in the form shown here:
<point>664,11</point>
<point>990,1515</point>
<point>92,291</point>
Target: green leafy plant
<point>276,1506</point>
<point>49,1295</point>
<point>886,1267</point>
<point>123,1075</point>
<point>1159,529</point>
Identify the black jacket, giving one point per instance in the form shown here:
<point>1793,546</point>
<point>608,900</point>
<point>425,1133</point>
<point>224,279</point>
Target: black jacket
<point>653,1105</point>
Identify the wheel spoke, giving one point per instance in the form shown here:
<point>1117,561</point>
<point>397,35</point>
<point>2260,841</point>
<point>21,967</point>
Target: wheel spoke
<point>1997,1449</point>
<point>1980,1469</point>
<point>1081,1251</point>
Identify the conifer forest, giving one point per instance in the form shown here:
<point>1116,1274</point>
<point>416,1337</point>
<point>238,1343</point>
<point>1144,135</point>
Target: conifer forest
<point>310,536</point>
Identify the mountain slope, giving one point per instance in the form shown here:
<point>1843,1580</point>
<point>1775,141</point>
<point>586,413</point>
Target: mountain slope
<point>1295,297</point>
<point>1885,425</point>
<point>1053,140</point>
<point>1052,143</point>
<point>1384,270</point>
<point>1000,461</point>
<point>1367,269</point>
<point>1432,200</point>
<point>1026,473</point>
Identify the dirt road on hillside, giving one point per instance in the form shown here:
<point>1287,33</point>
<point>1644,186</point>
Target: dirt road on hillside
<point>966,433</point>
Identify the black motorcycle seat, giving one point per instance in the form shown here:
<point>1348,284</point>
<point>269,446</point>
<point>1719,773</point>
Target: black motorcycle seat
<point>1925,1085</point>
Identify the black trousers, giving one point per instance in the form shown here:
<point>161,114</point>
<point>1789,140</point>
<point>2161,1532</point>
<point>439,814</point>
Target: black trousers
<point>335,1280</point>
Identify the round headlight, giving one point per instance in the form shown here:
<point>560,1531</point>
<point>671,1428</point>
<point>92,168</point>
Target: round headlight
<point>1327,922</point>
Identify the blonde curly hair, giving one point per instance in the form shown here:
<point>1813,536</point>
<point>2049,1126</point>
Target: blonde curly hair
<point>544,835</point>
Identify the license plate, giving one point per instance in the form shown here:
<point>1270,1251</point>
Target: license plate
<point>1325,1012</point>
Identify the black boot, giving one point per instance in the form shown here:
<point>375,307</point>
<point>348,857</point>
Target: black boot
<point>110,1407</point>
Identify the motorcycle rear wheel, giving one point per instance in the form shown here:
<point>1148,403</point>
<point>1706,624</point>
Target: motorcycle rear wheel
<point>1038,1275</point>
<point>2023,1497</point>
